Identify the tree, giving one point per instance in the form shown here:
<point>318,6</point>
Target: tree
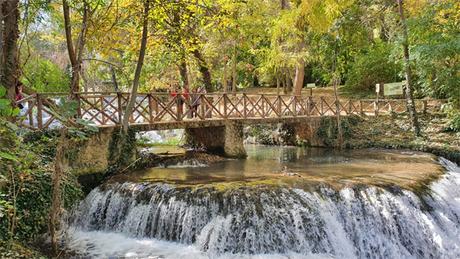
<point>137,74</point>
<point>408,88</point>
<point>9,65</point>
<point>75,54</point>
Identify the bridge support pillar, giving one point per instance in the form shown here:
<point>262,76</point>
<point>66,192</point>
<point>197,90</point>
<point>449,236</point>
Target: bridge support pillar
<point>223,140</point>
<point>234,138</point>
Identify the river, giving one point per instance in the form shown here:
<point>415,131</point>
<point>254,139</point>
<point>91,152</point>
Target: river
<point>281,202</point>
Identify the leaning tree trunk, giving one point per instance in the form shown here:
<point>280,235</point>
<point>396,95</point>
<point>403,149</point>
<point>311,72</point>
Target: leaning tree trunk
<point>204,70</point>
<point>75,55</point>
<point>56,199</point>
<point>9,63</point>
<point>137,74</point>
<point>408,89</point>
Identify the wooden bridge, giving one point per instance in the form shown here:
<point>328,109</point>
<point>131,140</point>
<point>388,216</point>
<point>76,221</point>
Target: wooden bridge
<point>162,111</point>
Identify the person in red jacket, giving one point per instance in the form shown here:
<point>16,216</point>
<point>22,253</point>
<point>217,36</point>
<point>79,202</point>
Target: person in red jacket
<point>179,102</point>
<point>19,96</point>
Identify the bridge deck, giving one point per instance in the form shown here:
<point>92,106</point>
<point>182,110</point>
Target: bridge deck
<point>162,111</point>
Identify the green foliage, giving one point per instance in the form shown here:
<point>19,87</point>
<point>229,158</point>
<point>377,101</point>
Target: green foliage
<point>328,130</point>
<point>121,157</point>
<point>42,75</point>
<point>371,67</point>
<point>6,109</point>
<point>454,117</point>
<point>25,184</point>
<point>454,124</point>
<point>436,46</point>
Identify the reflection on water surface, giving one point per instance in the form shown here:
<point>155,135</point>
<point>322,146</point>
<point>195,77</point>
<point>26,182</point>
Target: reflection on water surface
<point>312,165</point>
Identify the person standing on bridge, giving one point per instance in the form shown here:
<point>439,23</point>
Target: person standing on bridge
<point>186,100</point>
<point>195,102</point>
<point>176,96</point>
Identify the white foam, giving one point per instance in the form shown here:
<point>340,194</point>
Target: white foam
<point>351,223</point>
<point>98,244</point>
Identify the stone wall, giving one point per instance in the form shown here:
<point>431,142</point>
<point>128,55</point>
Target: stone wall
<point>222,140</point>
<point>234,138</point>
<point>98,153</point>
<point>293,133</point>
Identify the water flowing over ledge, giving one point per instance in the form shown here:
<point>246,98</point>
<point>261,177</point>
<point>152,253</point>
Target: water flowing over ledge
<point>156,219</point>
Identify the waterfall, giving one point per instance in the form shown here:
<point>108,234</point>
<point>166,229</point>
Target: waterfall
<point>354,222</point>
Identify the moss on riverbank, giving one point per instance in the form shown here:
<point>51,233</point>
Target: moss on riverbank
<point>395,132</point>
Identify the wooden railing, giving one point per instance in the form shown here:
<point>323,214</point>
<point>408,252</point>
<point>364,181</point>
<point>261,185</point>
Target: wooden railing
<point>107,109</point>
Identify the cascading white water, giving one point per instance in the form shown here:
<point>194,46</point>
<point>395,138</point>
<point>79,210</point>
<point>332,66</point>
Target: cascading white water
<point>260,221</point>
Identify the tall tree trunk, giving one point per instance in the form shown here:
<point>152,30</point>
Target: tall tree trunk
<point>337,109</point>
<point>9,64</point>
<point>299,76</point>
<point>191,80</point>
<point>2,28</point>
<point>408,89</point>
<point>224,78</point>
<point>234,75</point>
<point>75,55</point>
<point>299,70</point>
<point>288,82</point>
<point>183,73</point>
<point>137,74</point>
<point>59,169</point>
<point>114,79</point>
<point>277,84</point>
<point>204,70</point>
<point>284,4</point>
<point>291,77</point>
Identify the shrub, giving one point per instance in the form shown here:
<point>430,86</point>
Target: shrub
<point>43,75</point>
<point>372,67</point>
<point>25,187</point>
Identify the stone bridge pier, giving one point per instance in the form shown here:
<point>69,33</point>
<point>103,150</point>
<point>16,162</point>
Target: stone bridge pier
<point>224,140</point>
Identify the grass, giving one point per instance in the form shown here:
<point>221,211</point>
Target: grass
<point>169,142</point>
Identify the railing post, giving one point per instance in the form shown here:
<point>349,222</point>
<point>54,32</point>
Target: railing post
<point>309,105</point>
<point>262,97</point>
<point>225,106</point>
<point>39,112</point>
<point>119,108</point>
<point>104,119</point>
<point>245,104</point>
<point>321,105</point>
<point>337,106</point>
<point>30,105</point>
<point>294,106</point>
<point>361,110</point>
<point>149,96</point>
<point>279,105</point>
<point>77,97</point>
<point>376,108</point>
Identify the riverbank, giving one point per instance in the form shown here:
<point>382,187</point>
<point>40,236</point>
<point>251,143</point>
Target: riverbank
<point>392,132</point>
<point>395,132</point>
